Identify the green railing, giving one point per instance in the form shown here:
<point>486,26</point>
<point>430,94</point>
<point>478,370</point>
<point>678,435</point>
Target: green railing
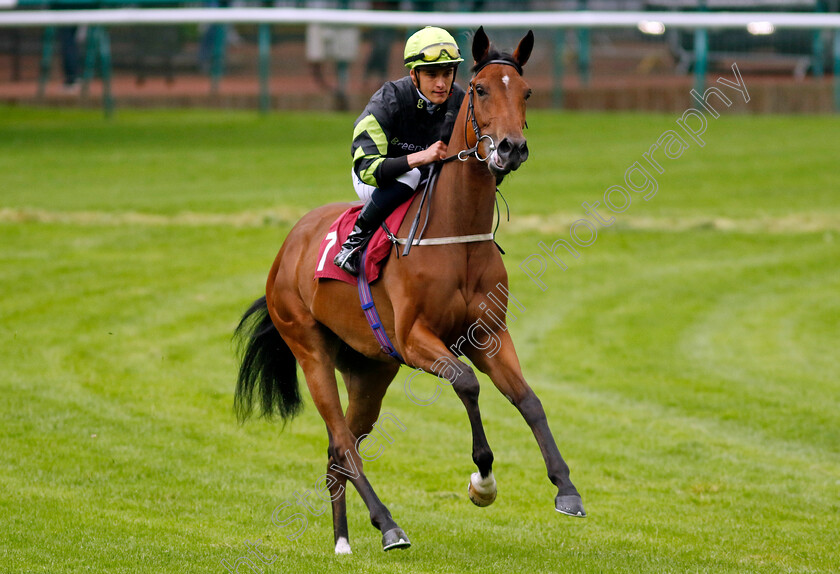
<point>705,43</point>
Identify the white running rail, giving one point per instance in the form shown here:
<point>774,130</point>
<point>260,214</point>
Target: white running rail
<point>371,18</point>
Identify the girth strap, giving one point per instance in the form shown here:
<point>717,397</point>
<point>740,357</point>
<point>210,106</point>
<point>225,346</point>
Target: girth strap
<point>442,240</point>
<point>371,314</point>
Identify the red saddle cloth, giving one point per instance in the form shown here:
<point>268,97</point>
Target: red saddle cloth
<point>377,249</point>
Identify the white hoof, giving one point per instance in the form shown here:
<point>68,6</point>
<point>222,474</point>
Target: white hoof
<point>343,546</point>
<point>482,490</point>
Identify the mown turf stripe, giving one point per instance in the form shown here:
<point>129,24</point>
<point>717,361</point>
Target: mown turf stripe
<point>558,222</point>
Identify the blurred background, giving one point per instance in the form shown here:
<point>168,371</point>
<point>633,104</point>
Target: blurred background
<point>644,67</point>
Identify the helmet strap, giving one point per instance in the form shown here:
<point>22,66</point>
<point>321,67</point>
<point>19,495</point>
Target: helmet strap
<point>430,107</point>
<point>423,97</point>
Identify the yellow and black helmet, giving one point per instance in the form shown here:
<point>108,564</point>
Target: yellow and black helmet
<point>431,47</point>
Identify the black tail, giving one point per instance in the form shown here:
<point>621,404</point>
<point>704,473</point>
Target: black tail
<point>268,367</point>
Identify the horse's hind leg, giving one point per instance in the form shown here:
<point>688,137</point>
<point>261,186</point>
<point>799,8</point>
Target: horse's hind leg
<point>337,488</point>
<point>366,383</point>
<point>315,348</point>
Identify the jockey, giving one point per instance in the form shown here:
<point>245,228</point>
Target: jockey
<point>405,126</point>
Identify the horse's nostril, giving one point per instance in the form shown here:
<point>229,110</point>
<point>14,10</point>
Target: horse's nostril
<point>512,151</point>
<point>505,147</point>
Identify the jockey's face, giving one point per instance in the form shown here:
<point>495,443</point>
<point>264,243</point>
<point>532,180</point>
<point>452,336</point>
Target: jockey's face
<point>434,83</point>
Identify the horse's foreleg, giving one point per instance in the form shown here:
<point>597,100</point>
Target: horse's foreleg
<point>504,370</point>
<point>428,352</point>
<point>482,487</point>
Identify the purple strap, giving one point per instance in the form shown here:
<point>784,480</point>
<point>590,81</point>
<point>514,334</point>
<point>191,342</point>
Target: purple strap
<point>369,309</point>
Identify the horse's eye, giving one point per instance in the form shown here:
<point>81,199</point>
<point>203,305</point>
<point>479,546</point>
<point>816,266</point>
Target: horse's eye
<point>479,89</point>
<point>527,94</point>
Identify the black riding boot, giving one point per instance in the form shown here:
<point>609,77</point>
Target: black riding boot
<point>370,217</point>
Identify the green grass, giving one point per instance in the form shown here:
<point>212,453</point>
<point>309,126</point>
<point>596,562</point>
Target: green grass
<point>687,360</point>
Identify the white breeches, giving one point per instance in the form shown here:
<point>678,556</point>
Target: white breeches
<point>410,178</point>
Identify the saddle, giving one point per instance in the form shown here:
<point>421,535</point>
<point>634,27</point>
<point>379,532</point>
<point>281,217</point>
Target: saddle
<point>377,249</point>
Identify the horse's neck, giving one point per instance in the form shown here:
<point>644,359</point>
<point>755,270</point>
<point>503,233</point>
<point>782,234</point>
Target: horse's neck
<point>465,194</point>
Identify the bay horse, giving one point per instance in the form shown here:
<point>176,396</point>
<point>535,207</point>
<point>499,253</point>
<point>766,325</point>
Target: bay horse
<point>427,303</point>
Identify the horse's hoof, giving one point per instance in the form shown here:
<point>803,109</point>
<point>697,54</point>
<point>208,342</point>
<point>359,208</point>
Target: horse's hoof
<point>482,491</point>
<point>343,546</point>
<point>395,538</point>
<point>569,504</point>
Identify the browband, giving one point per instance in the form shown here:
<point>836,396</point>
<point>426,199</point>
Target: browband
<point>505,62</point>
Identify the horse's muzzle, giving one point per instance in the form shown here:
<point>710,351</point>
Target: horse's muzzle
<point>508,156</point>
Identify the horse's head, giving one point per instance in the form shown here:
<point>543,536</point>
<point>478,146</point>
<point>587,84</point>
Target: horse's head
<point>497,96</point>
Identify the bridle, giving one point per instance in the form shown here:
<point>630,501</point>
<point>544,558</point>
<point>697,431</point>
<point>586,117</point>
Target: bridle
<point>465,154</point>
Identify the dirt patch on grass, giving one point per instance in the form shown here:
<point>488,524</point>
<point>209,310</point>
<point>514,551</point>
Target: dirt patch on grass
<point>558,223</point>
<point>263,218</point>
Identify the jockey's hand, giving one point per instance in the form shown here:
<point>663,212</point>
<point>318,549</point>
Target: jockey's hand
<point>431,154</point>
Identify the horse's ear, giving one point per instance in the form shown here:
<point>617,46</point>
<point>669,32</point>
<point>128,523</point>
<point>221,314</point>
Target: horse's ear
<point>481,44</point>
<point>523,51</point>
